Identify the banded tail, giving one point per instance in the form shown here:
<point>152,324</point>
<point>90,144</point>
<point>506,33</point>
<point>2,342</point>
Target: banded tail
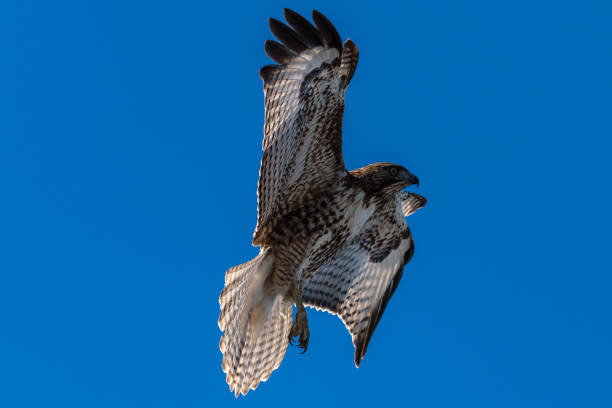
<point>255,324</point>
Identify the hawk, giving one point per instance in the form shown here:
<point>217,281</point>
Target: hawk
<point>331,239</point>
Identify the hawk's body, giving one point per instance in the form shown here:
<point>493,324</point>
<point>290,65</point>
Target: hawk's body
<point>329,238</point>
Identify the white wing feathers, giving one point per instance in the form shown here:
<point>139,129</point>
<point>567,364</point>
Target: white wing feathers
<point>282,91</point>
<point>360,278</point>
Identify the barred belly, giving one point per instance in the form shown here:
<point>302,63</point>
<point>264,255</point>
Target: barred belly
<point>306,238</point>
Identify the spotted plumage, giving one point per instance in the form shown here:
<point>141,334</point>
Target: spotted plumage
<point>329,238</point>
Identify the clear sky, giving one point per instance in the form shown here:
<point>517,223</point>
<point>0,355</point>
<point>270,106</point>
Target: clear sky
<point>130,141</point>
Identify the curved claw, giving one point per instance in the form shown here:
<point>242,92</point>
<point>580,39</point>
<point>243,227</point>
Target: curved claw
<point>300,330</point>
<point>304,336</point>
<point>304,343</point>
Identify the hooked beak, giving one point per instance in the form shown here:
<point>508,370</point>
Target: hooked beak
<point>412,179</point>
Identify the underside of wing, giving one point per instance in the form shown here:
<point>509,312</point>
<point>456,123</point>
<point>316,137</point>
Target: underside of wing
<point>410,202</point>
<point>360,278</point>
<point>304,101</point>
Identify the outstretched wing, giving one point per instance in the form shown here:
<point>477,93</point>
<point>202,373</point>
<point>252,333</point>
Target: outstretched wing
<point>304,100</point>
<point>360,278</point>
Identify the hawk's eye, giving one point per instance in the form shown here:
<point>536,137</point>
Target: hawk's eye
<point>393,171</point>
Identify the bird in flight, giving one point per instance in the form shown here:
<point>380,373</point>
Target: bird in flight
<point>331,239</point>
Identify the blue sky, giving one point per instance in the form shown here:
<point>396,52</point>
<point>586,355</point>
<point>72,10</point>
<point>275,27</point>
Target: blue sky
<point>130,140</point>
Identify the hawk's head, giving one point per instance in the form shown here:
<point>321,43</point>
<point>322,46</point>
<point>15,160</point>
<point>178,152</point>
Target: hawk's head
<point>377,176</point>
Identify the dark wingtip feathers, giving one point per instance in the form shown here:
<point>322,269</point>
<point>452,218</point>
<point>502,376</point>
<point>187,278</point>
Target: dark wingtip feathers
<point>358,357</point>
<point>422,200</point>
<point>363,340</point>
<point>300,36</point>
<point>308,33</point>
<point>266,73</point>
<point>328,31</point>
<point>278,52</point>
<point>287,36</point>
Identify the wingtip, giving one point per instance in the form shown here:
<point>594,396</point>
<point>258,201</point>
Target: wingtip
<point>288,11</point>
<point>422,200</point>
<point>317,14</point>
<point>272,23</point>
<point>350,44</point>
<point>308,33</point>
<point>278,52</point>
<point>265,73</point>
<point>360,349</point>
<point>288,37</point>
<point>327,29</point>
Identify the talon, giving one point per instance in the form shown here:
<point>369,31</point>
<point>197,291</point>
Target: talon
<point>299,329</point>
<point>303,345</point>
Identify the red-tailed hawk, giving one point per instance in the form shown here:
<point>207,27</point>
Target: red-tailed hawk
<point>331,239</point>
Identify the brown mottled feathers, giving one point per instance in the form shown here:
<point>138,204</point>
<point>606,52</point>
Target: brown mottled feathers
<point>304,101</point>
<point>360,278</point>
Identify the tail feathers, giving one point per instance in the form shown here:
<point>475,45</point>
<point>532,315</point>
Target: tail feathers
<point>256,325</point>
<point>251,352</point>
<point>243,283</point>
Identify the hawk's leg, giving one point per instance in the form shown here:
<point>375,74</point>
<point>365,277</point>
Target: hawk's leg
<point>300,322</point>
